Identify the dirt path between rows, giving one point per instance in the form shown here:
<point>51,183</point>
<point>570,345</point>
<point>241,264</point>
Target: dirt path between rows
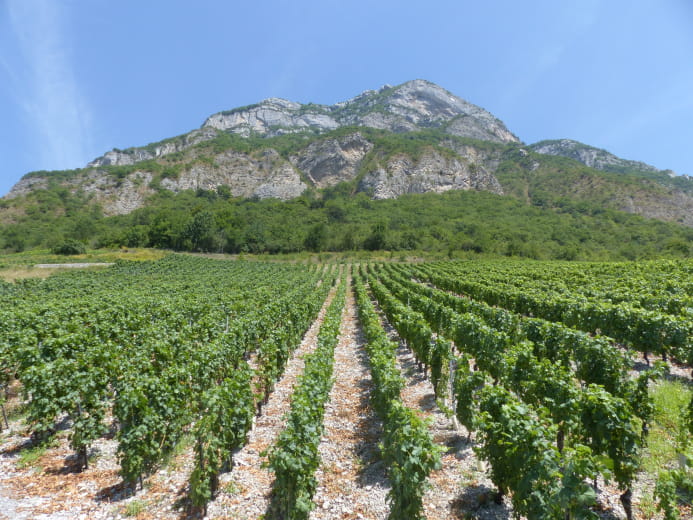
<point>351,478</point>
<point>245,491</point>
<point>461,485</point>
<point>49,488</point>
<point>460,488</point>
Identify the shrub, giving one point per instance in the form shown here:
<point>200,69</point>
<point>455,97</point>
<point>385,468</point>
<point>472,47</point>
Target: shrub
<point>69,247</point>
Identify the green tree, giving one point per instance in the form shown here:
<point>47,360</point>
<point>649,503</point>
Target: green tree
<point>316,238</point>
<point>201,232</point>
<point>378,237</point>
<point>69,247</point>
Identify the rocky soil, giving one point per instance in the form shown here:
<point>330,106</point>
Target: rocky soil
<point>245,491</point>
<point>352,483</point>
<point>351,479</point>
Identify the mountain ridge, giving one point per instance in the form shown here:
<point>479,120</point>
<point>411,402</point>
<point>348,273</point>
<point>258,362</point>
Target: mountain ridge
<point>415,137</point>
<point>592,156</point>
<point>413,105</point>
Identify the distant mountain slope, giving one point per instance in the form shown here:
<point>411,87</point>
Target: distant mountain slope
<point>591,156</point>
<point>551,181</point>
<point>414,105</point>
<point>413,138</point>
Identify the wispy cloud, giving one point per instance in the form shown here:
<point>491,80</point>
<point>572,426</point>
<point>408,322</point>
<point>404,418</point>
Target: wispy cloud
<point>46,89</point>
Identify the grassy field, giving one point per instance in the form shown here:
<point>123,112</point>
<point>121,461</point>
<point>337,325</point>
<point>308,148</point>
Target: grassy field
<point>17,266</point>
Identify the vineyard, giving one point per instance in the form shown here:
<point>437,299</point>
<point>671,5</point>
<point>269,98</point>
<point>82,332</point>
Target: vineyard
<point>188,387</point>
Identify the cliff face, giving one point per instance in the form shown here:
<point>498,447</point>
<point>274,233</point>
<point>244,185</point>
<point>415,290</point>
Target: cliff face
<point>331,161</point>
<point>414,105</point>
<point>272,117</point>
<point>427,140</point>
<point>154,151</point>
<point>432,172</point>
<point>590,156</point>
<point>265,173</point>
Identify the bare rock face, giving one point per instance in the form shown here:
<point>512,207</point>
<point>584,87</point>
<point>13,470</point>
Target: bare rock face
<point>672,206</point>
<point>490,129</point>
<point>485,160</point>
<point>267,175</point>
<point>589,155</point>
<point>330,161</point>
<point>126,196</point>
<point>135,155</point>
<point>26,185</point>
<point>420,104</point>
<point>271,117</point>
<point>433,172</point>
<point>414,105</point>
<point>263,175</point>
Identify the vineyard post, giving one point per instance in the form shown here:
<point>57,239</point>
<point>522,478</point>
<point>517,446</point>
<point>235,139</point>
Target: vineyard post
<point>451,392</point>
<point>3,398</point>
<point>4,414</point>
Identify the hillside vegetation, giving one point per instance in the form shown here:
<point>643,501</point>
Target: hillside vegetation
<point>410,167</point>
<point>476,222</point>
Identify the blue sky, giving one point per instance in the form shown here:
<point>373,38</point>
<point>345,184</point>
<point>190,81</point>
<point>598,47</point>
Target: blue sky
<point>79,77</point>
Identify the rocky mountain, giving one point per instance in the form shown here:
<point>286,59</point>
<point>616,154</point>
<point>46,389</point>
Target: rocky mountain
<point>413,138</point>
<point>592,157</point>
<point>415,105</point>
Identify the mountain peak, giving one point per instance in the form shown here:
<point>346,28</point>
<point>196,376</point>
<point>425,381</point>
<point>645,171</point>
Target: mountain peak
<point>414,105</point>
<point>420,104</point>
<point>411,106</point>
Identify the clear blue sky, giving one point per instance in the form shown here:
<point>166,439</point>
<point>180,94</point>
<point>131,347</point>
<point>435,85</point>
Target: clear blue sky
<point>79,77</point>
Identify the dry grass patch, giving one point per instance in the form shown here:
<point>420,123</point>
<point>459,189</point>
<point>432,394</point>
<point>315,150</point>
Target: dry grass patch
<point>13,274</point>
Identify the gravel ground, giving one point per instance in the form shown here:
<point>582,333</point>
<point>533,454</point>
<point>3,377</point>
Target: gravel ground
<point>244,492</point>
<point>461,487</point>
<point>50,489</point>
<point>351,478</point>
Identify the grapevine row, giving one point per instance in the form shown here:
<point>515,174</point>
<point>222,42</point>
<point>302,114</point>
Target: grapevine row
<point>586,417</point>
<point>408,449</point>
<point>161,364</point>
<point>294,457</point>
<point>647,331</point>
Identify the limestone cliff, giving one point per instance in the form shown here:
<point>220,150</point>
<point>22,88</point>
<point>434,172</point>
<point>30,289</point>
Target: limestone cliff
<point>330,161</point>
<point>590,156</point>
<point>414,105</point>
<point>432,172</point>
<point>412,138</point>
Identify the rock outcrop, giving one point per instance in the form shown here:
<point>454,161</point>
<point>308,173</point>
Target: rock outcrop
<point>264,175</point>
<point>432,172</point>
<point>420,104</point>
<point>336,144</point>
<point>330,161</point>
<point>272,117</point>
<point>414,105</point>
<point>591,156</point>
<point>155,150</point>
